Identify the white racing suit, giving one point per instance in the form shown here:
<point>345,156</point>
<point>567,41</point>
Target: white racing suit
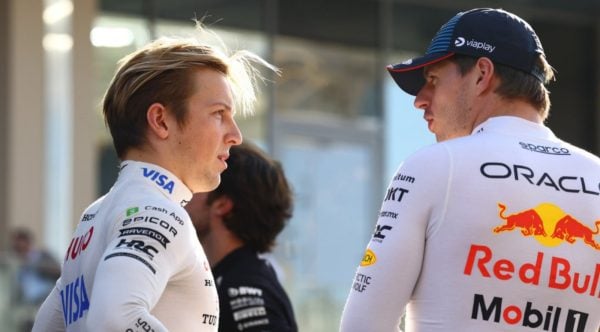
<point>496,231</point>
<point>134,263</point>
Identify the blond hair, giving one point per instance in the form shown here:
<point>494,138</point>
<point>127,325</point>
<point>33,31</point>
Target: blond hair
<point>161,71</point>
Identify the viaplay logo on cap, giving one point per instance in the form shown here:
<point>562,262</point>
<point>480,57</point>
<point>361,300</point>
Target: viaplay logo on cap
<point>460,42</point>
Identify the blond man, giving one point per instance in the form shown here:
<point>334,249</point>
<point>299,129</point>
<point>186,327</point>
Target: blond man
<point>135,263</point>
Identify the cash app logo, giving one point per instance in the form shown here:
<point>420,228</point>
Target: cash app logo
<point>132,210</point>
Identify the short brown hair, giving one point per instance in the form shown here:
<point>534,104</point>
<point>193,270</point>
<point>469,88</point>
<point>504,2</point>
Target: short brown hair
<point>261,196</point>
<point>162,72</point>
<point>516,84</point>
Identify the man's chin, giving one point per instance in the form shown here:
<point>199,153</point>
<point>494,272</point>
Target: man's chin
<point>207,185</point>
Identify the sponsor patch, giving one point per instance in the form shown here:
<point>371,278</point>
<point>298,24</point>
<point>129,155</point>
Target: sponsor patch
<point>528,315</point>
<point>136,257</point>
<point>555,150</point>
<point>361,282</point>
<point>131,211</point>
<point>148,232</point>
<point>249,313</point>
<point>369,258</point>
<point>75,300</point>
<point>378,236</point>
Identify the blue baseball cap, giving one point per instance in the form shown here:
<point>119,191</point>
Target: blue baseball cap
<point>496,34</point>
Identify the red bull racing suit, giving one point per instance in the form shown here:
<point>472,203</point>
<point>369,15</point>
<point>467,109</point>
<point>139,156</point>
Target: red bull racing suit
<point>496,231</point>
<point>134,263</point>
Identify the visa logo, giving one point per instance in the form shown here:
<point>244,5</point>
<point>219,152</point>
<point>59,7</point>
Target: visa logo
<point>75,300</point>
<point>160,179</point>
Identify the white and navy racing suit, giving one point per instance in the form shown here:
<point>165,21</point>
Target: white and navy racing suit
<point>134,263</point>
<point>496,231</point>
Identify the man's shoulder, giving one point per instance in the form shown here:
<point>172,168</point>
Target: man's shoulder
<point>243,265</point>
<point>136,205</point>
<point>480,143</point>
<point>140,197</point>
<point>434,154</point>
<point>245,268</point>
<point>584,154</point>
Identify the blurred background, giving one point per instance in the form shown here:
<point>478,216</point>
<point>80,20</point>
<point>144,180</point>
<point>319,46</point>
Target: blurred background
<point>334,118</point>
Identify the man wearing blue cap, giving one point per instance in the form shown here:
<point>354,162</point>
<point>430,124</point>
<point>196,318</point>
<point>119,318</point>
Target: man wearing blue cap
<point>495,227</point>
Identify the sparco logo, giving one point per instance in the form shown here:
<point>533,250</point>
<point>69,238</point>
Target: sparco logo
<point>557,150</point>
<point>460,42</point>
<point>553,319</point>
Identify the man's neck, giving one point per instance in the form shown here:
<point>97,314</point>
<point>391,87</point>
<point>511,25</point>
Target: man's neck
<point>217,245</point>
<point>502,107</point>
<point>144,154</point>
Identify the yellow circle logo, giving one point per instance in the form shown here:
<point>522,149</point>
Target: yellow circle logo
<point>369,258</point>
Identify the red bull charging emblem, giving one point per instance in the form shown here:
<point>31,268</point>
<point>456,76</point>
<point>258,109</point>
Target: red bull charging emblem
<point>549,225</point>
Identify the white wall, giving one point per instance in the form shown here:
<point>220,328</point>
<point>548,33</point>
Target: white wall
<point>29,156</point>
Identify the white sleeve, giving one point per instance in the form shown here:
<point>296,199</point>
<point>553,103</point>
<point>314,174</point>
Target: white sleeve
<point>133,273</point>
<point>49,317</point>
<point>388,273</point>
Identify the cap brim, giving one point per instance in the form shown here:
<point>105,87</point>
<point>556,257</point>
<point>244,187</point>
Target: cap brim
<point>409,74</point>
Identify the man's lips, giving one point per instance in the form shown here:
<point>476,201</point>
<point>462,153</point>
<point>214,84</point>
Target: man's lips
<point>429,120</point>
<point>223,158</point>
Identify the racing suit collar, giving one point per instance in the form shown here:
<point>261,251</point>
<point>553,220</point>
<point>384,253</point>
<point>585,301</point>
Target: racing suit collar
<point>163,180</point>
<point>514,126</point>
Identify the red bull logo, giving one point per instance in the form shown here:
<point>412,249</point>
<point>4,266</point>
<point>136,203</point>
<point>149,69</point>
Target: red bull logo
<point>549,225</point>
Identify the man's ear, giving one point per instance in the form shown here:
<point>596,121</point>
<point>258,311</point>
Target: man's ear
<point>484,69</point>
<point>157,120</point>
<point>222,206</point>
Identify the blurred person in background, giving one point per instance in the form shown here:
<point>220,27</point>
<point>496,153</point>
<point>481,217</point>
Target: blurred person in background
<point>236,223</point>
<point>134,262</point>
<point>38,270</point>
<point>495,227</point>
<point>36,273</point>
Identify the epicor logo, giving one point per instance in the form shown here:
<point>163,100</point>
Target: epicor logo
<point>369,258</point>
<point>549,225</point>
<point>460,41</point>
